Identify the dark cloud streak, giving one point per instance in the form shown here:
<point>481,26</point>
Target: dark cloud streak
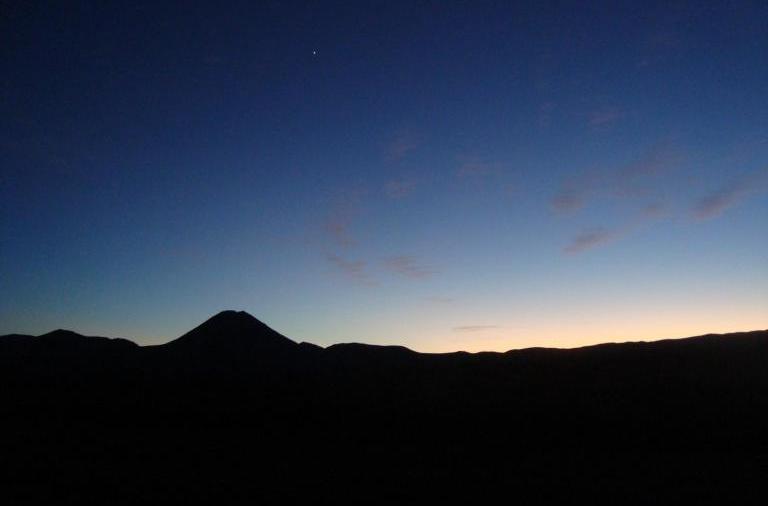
<point>589,239</point>
<point>408,267</point>
<point>398,189</point>
<point>354,269</point>
<point>637,179</point>
<point>717,202</point>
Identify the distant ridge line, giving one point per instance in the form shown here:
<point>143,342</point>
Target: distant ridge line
<point>231,328</point>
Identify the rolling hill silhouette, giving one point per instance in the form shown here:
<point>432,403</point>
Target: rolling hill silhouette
<point>233,409</point>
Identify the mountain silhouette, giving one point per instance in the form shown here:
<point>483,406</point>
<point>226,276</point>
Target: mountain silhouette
<point>69,340</point>
<point>64,340</point>
<point>232,409</point>
<point>233,332</point>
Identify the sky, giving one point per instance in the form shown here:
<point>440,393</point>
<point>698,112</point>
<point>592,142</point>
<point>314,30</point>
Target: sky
<point>440,175</point>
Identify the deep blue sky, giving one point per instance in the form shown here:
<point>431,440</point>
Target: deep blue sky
<point>441,175</point>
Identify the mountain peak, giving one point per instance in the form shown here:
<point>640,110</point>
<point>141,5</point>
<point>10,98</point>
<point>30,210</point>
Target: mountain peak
<point>234,331</point>
<point>229,321</point>
<point>61,334</point>
<point>230,315</point>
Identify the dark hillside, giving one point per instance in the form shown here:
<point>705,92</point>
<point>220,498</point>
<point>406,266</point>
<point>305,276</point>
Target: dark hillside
<point>233,408</point>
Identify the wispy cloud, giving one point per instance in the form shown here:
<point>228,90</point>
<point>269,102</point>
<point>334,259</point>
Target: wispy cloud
<point>354,269</point>
<point>636,179</point>
<point>545,114</point>
<point>605,116</point>
<point>589,239</point>
<point>655,210</point>
<point>476,168</point>
<point>655,161</point>
<point>340,218</point>
<point>717,202</point>
<point>475,328</point>
<point>600,236</point>
<point>402,144</point>
<point>338,228</point>
<point>398,189</point>
<point>571,198</point>
<point>663,44</point>
<point>408,267</point>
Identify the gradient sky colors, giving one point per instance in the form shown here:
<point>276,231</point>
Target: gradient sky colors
<point>441,175</point>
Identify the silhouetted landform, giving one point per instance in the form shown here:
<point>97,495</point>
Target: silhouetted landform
<point>234,410</point>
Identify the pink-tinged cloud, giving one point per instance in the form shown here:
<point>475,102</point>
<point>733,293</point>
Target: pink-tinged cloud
<point>545,114</point>
<point>403,143</point>
<point>475,328</point>
<point>656,161</point>
<point>605,116</point>
<point>408,267</point>
<point>597,237</point>
<point>476,168</point>
<point>716,203</point>
<point>354,269</point>
<point>576,191</point>
<point>637,179</point>
<point>568,201</point>
<point>338,222</point>
<point>338,228</point>
<point>590,239</point>
<point>655,210</point>
<point>399,188</point>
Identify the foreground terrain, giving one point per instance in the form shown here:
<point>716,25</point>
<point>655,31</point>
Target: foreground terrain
<point>233,409</point>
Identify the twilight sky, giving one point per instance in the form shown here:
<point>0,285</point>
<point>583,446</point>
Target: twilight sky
<point>442,175</point>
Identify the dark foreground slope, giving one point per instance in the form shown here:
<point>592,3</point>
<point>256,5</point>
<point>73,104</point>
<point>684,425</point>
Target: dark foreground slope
<point>234,409</point>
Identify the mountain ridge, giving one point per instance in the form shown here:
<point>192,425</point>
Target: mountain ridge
<point>680,413</point>
<point>230,329</point>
